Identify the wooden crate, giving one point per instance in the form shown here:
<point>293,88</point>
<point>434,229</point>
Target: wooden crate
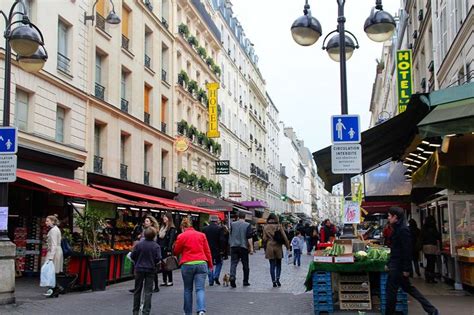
<point>354,291</point>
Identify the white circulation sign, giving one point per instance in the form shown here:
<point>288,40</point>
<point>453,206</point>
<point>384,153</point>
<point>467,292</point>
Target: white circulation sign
<point>7,168</point>
<point>346,158</point>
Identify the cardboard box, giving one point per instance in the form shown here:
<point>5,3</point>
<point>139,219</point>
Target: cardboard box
<point>347,245</point>
<point>344,259</point>
<point>321,258</point>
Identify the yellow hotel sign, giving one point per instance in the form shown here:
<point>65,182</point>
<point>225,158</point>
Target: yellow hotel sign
<point>404,79</point>
<point>212,130</point>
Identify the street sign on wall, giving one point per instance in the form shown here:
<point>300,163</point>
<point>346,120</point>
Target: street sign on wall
<point>346,158</point>
<point>8,168</point>
<point>235,194</point>
<point>222,167</point>
<point>345,129</point>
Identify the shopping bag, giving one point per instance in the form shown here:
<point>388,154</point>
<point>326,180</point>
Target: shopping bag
<point>129,256</point>
<point>48,275</point>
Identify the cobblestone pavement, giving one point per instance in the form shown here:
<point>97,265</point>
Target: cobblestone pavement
<point>259,298</point>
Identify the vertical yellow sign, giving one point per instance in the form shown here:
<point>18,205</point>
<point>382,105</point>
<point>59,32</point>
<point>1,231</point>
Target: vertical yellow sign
<point>212,130</point>
<point>404,78</point>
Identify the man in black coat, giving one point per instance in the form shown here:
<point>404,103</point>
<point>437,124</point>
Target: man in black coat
<point>216,239</point>
<point>399,264</point>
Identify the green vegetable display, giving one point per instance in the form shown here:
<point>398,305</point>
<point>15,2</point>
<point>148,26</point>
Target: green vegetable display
<point>335,250</point>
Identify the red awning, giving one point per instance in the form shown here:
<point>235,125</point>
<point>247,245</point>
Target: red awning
<point>70,188</point>
<point>382,206</point>
<point>162,201</point>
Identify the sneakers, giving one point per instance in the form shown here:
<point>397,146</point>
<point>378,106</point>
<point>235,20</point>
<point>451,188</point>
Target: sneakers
<point>246,284</point>
<point>201,313</point>
<point>169,284</point>
<point>274,284</point>
<point>278,282</point>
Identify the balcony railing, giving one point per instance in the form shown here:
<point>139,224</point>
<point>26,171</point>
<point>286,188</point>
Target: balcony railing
<point>164,75</point>
<point>148,5</point>
<point>100,21</point>
<point>124,105</point>
<point>163,182</point>
<point>98,164</point>
<point>147,61</point>
<point>125,42</point>
<point>146,178</point>
<point>99,91</point>
<point>164,22</point>
<point>123,171</point>
<point>146,118</point>
<point>64,63</point>
<point>163,127</point>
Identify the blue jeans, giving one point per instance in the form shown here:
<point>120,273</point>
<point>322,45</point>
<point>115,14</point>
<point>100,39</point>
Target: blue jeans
<point>309,245</point>
<point>275,269</point>
<point>297,257</point>
<point>216,272</point>
<point>194,274</point>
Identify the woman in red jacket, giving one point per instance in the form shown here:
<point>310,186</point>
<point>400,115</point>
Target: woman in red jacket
<point>196,258</point>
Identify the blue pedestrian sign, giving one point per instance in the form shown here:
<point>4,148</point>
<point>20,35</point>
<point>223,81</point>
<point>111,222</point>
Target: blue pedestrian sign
<point>345,129</point>
<point>8,140</point>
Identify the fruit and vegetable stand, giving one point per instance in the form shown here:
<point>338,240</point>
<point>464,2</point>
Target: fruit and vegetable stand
<point>334,279</point>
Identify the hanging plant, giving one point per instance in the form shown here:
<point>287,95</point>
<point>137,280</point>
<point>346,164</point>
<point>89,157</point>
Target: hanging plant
<point>183,78</point>
<point>210,61</point>
<point>202,52</point>
<point>183,30</point>
<point>192,40</point>
<point>192,86</point>
<point>183,176</point>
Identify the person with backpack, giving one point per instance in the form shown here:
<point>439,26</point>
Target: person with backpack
<point>274,237</point>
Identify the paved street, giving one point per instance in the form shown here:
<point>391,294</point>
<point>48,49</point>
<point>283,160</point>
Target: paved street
<point>259,298</point>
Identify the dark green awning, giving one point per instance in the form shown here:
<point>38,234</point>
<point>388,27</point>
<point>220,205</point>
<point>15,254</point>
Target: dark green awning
<point>454,112</point>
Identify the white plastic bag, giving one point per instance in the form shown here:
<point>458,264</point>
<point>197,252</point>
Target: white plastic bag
<point>48,275</point>
<point>129,256</point>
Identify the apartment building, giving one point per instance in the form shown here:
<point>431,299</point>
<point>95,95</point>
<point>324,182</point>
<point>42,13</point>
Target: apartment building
<point>275,202</point>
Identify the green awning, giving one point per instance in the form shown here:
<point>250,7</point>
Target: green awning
<point>454,112</point>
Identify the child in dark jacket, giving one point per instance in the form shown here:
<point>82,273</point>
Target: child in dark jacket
<point>146,254</point>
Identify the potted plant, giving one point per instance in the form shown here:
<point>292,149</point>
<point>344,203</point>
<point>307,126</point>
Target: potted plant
<point>202,52</point>
<point>219,110</point>
<point>218,188</point>
<point>183,78</point>
<point>183,30</point>
<point>202,183</point>
<point>201,95</point>
<point>212,186</point>
<point>216,148</point>
<point>210,61</point>
<point>192,131</point>
<point>205,141</point>
<point>210,144</point>
<point>192,40</point>
<point>182,126</point>
<point>192,180</point>
<point>90,222</point>
<point>183,176</point>
<point>217,70</point>
<point>200,138</point>
<point>192,86</point>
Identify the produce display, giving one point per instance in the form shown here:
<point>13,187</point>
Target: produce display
<point>335,250</point>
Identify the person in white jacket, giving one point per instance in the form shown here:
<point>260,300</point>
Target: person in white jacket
<point>55,252</point>
<point>297,243</point>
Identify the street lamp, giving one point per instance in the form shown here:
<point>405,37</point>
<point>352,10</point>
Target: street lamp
<point>27,42</point>
<point>112,18</point>
<point>306,30</point>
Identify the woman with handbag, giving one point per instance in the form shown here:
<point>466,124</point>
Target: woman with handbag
<point>55,253</point>
<point>430,240</point>
<point>196,261</point>
<point>166,239</point>
<point>274,237</point>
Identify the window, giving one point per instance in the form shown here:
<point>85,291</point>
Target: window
<point>146,104</point>
<point>443,33</point>
<point>63,47</point>
<point>125,28</point>
<point>100,7</point>
<point>98,68</point>
<point>97,133</point>
<point>21,110</point>
<point>164,62</point>
<point>148,47</point>
<point>123,85</point>
<point>60,119</point>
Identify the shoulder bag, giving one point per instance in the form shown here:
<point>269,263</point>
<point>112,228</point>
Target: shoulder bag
<point>170,263</point>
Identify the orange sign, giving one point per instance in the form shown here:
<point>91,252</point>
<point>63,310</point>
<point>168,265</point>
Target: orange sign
<point>182,144</point>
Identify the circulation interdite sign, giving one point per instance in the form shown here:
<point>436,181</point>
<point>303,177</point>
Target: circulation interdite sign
<point>346,159</point>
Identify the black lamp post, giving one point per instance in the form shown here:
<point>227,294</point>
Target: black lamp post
<point>306,30</point>
<point>27,42</point>
<point>112,18</point>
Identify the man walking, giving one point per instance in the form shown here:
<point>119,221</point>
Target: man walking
<point>216,239</point>
<point>399,264</point>
<point>240,242</point>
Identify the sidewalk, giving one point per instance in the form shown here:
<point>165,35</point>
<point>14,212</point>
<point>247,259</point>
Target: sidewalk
<point>259,298</point>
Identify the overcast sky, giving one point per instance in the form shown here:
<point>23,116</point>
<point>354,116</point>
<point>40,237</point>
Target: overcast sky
<point>303,82</point>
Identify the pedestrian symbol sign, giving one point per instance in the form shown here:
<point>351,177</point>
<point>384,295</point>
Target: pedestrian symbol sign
<point>345,129</point>
<point>8,140</point>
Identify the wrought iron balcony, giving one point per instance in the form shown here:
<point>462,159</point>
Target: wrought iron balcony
<point>98,164</point>
<point>146,178</point>
<point>163,127</point>
<point>125,42</point>
<point>124,105</point>
<point>123,171</point>
<point>164,22</point>
<point>163,182</point>
<point>164,75</point>
<point>99,91</point>
<point>148,5</point>
<point>64,63</point>
<point>146,118</point>
<point>147,61</point>
<point>100,21</point>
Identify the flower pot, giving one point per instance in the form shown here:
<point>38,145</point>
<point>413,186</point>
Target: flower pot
<point>98,269</point>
